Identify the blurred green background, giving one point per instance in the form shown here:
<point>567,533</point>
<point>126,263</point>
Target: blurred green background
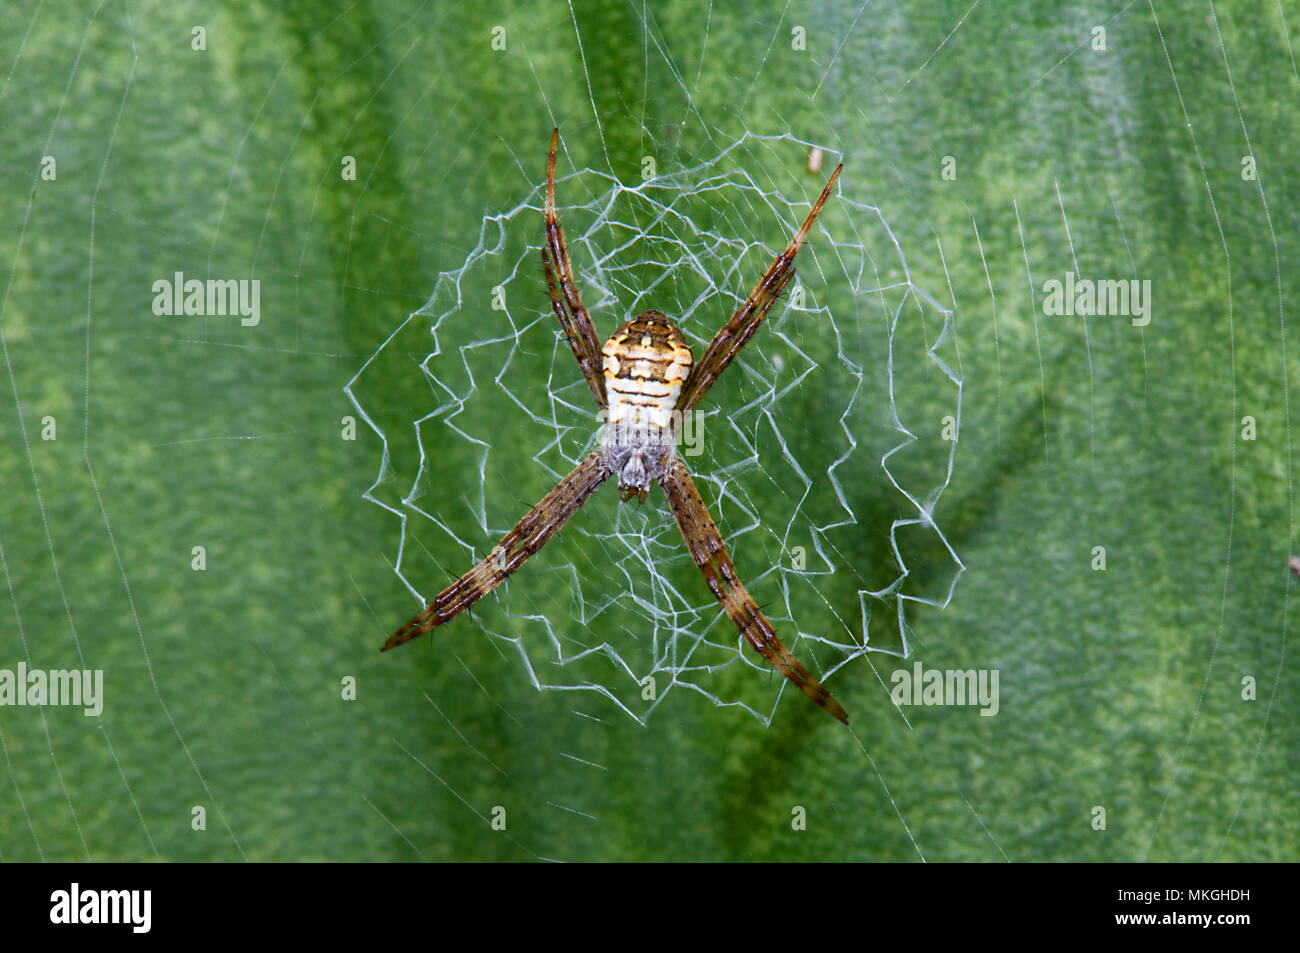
<point>1120,688</point>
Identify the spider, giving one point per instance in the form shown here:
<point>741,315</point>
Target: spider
<point>645,380</point>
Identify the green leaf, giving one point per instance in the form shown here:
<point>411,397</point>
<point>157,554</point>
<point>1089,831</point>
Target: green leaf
<point>226,688</point>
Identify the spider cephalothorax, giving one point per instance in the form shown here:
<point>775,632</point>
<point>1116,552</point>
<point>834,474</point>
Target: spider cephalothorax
<point>646,361</point>
<point>645,381</point>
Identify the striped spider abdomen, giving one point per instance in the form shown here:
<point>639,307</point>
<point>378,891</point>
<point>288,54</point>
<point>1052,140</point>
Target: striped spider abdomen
<point>645,363</point>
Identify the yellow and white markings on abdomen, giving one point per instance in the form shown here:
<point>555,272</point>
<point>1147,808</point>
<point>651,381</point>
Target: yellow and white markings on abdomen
<point>646,362</point>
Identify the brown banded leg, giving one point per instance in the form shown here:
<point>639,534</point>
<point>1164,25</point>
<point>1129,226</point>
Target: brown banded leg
<point>710,554</point>
<point>565,300</point>
<point>731,337</point>
<point>533,532</point>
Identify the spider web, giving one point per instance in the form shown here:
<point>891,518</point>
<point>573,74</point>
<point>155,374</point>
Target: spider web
<point>823,480</point>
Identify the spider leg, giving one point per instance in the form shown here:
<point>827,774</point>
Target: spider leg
<point>533,532</point>
<point>710,554</point>
<point>731,337</point>
<point>565,300</point>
